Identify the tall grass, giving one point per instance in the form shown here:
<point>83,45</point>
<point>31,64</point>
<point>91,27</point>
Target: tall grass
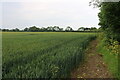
<point>110,56</point>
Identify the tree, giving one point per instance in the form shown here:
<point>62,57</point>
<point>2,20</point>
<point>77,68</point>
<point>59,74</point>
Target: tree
<point>68,29</point>
<point>55,28</point>
<point>86,29</point>
<point>110,20</point>
<point>43,29</point>
<point>34,29</point>
<point>81,29</point>
<point>5,30</point>
<point>93,28</point>
<point>26,29</point>
<point>50,28</point>
<point>61,29</point>
<point>17,30</point>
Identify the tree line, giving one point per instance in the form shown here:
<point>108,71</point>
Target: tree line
<point>51,29</point>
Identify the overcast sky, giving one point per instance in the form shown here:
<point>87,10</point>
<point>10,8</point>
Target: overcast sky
<point>44,13</point>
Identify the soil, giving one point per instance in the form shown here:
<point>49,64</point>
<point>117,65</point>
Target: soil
<point>93,65</point>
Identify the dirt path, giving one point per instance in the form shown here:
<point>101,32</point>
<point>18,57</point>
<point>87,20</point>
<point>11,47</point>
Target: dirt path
<point>93,66</point>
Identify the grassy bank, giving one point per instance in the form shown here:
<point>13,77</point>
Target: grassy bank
<point>110,58</point>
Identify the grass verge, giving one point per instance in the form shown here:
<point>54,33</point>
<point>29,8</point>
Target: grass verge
<point>110,59</point>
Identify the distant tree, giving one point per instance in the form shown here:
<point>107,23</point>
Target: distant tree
<point>61,29</point>
<point>81,29</point>
<point>43,29</point>
<point>56,28</point>
<point>50,28</point>
<point>93,28</point>
<point>17,30</point>
<point>68,29</point>
<point>26,29</point>
<point>13,30</point>
<point>87,29</point>
<point>4,30</point>
<point>34,29</point>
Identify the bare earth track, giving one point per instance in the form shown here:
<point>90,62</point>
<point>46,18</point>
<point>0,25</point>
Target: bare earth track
<point>93,66</point>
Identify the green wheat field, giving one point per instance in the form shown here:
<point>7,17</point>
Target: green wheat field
<point>42,54</point>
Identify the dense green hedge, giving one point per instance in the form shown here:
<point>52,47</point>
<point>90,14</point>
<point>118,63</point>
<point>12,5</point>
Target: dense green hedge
<point>109,17</point>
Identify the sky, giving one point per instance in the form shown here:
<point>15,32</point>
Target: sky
<point>44,13</point>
